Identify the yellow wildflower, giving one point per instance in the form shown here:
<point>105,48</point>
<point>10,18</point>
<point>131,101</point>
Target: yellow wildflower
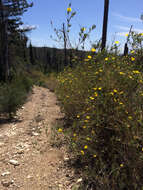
<point>121,73</point>
<point>85,147</point>
<point>87,117</point>
<point>115,91</point>
<point>136,72</point>
<point>92,98</point>
<point>121,165</point>
<point>95,94</point>
<point>89,57</point>
<point>88,139</point>
<point>86,121</point>
<point>132,51</point>
<point>132,58</point>
<point>94,156</point>
<point>78,116</point>
<point>94,88</point>
<point>86,59</point>
<point>93,50</point>
<point>111,93</point>
<point>130,77</point>
<point>99,88</point>
<point>69,9</point>
<point>82,152</point>
<point>106,59</point>
<point>116,42</point>
<point>84,127</point>
<point>60,130</point>
<point>74,135</point>
<point>83,29</point>
<point>129,117</point>
<point>126,34</point>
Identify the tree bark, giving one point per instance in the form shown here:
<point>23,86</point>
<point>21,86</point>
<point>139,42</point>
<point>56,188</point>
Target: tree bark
<point>4,75</point>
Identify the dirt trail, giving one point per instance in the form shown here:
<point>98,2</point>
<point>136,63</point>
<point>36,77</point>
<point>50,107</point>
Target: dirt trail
<point>27,159</point>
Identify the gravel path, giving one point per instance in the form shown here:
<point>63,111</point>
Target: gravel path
<point>27,159</point>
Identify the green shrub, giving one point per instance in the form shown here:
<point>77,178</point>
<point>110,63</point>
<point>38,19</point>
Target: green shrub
<point>13,95</point>
<point>102,98</point>
<point>47,81</point>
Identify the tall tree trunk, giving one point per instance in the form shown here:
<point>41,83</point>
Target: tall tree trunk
<point>4,75</point>
<point>105,22</point>
<point>6,63</point>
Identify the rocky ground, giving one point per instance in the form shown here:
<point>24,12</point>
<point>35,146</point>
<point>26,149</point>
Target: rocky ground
<point>27,159</point>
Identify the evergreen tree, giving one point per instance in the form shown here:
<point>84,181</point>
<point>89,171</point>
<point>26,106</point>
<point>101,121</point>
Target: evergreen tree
<point>31,54</point>
<point>10,33</point>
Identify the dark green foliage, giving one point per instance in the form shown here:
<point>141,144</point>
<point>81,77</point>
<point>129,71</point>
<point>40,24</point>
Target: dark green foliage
<point>50,60</point>
<point>31,54</point>
<point>12,38</point>
<point>13,95</point>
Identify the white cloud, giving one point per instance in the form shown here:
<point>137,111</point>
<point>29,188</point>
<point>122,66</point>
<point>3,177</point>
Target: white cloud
<point>30,27</point>
<point>126,30</point>
<point>126,18</point>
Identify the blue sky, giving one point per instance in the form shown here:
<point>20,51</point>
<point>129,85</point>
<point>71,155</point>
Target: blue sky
<point>122,14</point>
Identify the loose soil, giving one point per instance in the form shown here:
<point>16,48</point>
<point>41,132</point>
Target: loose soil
<point>27,140</point>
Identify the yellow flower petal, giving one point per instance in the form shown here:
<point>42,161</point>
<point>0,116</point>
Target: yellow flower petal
<point>69,9</point>
<point>82,152</point>
<point>93,50</point>
<point>60,130</point>
<point>106,59</point>
<point>85,147</point>
<point>89,57</point>
<point>121,165</point>
<point>116,42</point>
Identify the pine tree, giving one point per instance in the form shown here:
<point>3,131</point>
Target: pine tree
<point>10,32</point>
<point>31,54</point>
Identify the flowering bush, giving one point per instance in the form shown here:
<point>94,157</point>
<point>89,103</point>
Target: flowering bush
<point>102,98</point>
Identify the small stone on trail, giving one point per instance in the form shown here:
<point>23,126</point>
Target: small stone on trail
<point>79,180</point>
<point>35,134</point>
<point>20,151</point>
<point>14,162</point>
<point>7,183</point>
<point>66,159</point>
<point>5,173</point>
<point>29,177</point>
